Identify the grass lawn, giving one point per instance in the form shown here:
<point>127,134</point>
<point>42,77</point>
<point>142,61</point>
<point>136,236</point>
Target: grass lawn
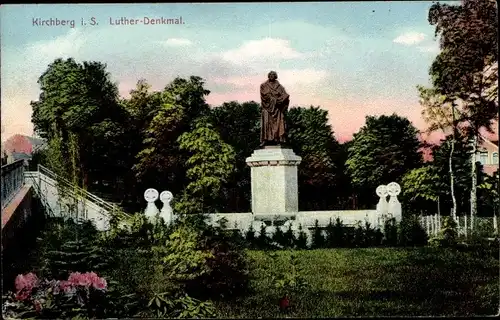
<point>375,282</point>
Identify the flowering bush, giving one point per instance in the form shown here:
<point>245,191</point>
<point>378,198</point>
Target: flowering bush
<point>290,282</point>
<point>81,294</point>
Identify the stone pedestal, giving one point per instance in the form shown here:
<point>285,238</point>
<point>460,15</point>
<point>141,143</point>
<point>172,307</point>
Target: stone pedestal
<point>274,180</point>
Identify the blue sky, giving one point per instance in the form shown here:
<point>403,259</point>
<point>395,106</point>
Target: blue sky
<point>351,58</point>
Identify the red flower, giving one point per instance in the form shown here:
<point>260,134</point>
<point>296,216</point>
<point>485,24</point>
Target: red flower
<point>22,295</point>
<point>79,279</point>
<point>284,303</point>
<point>26,282</point>
<point>65,286</point>
<point>86,280</point>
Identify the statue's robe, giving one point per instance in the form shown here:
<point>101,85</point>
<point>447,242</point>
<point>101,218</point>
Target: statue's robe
<point>274,105</point>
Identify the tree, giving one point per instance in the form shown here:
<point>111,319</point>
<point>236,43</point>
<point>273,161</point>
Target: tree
<point>346,197</point>
<point>421,185</point>
<point>210,164</point>
<point>461,169</point>
<point>311,137</point>
<point>440,114</point>
<point>239,126</point>
<point>161,162</point>
<point>383,151</point>
<point>142,106</point>
<point>463,69</point>
<point>489,187</point>
<point>79,99</point>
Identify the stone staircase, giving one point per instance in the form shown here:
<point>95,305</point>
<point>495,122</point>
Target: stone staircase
<point>61,198</point>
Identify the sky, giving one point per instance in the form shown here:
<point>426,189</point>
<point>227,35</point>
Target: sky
<point>350,58</point>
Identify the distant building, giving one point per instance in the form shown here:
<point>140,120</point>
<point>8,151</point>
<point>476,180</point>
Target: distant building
<point>14,156</point>
<point>20,147</point>
<point>487,155</point>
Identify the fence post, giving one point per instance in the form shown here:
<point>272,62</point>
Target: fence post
<point>433,229</point>
<point>495,225</point>
<point>465,225</point>
<point>436,228</point>
<point>440,221</point>
<point>428,225</point>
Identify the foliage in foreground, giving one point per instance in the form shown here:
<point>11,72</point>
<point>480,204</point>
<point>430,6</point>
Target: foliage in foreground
<point>79,295</point>
<point>151,270</point>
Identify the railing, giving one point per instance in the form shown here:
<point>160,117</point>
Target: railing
<point>12,180</point>
<point>34,177</point>
<point>74,190</point>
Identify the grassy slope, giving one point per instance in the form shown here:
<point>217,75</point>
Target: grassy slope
<point>376,281</point>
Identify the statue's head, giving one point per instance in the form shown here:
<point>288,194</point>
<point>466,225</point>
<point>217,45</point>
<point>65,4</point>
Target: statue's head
<point>272,76</point>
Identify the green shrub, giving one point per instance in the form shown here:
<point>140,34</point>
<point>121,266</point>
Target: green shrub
<point>359,239</point>
<point>301,241</point>
<point>335,234</point>
<point>290,282</point>
<point>372,237</point>
<point>448,234</point>
<point>279,237</point>
<point>411,233</point>
<point>289,238</point>
<point>66,247</point>
<point>183,257</point>
<point>318,240</point>
<point>228,265</point>
<point>484,228</point>
<point>209,262</point>
<point>250,237</point>
<point>390,233</point>
<point>378,237</point>
<point>263,241</point>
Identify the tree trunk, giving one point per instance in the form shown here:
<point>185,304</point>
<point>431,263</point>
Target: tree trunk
<point>452,180</point>
<point>473,191</point>
<point>450,162</point>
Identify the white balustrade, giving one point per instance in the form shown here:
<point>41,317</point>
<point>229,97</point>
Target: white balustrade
<point>151,212</point>
<point>382,205</point>
<point>394,206</point>
<point>166,211</point>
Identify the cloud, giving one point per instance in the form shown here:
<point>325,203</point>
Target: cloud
<point>430,48</point>
<point>63,46</point>
<point>410,38</point>
<point>178,42</point>
<point>286,77</point>
<point>259,50</point>
<point>233,69</point>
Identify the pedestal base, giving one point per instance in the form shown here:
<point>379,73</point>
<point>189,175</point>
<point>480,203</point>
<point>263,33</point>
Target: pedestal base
<point>274,180</point>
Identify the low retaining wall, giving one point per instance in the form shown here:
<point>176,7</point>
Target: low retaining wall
<point>15,215</point>
<point>307,219</point>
